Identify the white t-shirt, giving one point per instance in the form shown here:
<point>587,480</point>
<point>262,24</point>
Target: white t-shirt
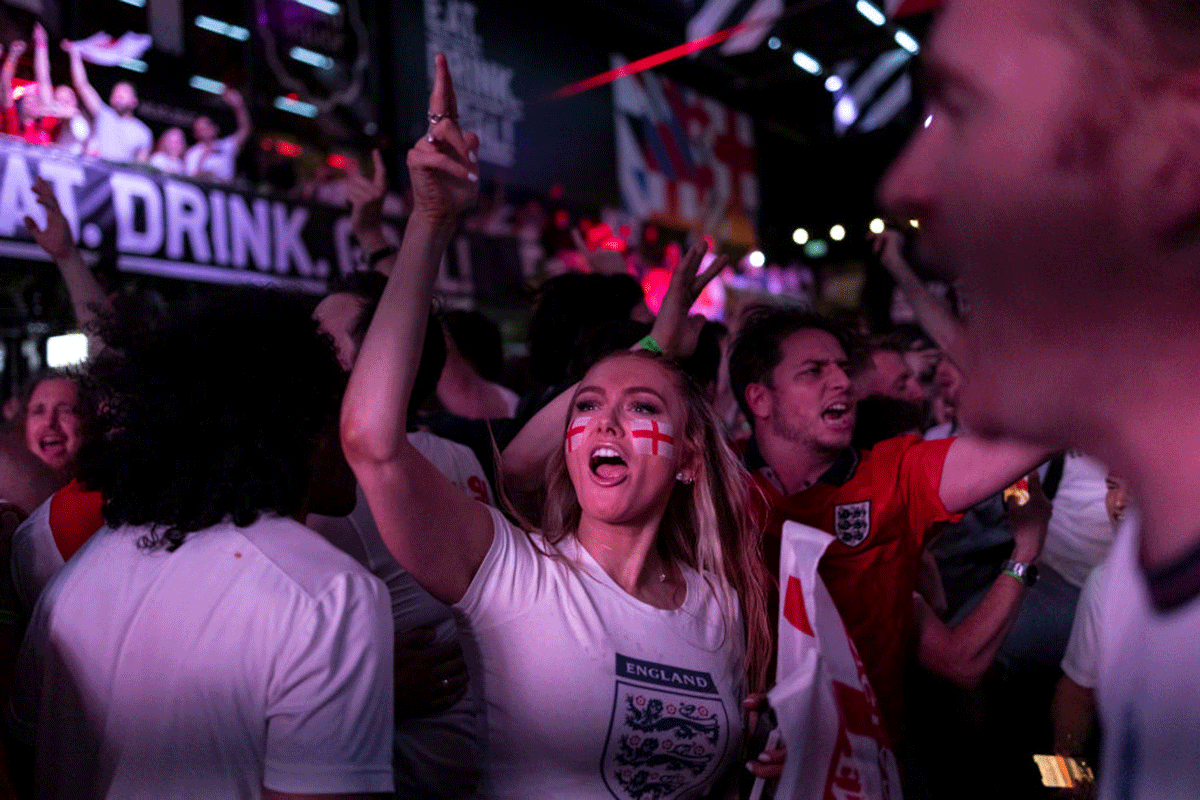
<point>436,755</point>
<point>1079,533</point>
<point>118,138</point>
<point>592,693</point>
<point>248,657</point>
<point>1149,684</point>
<point>35,555</point>
<point>216,160</point>
<point>165,163</point>
<point>1081,659</point>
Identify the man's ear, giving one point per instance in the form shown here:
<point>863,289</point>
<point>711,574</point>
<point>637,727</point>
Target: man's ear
<point>758,398</point>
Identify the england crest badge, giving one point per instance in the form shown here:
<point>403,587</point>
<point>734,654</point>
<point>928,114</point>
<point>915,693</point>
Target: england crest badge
<point>852,522</point>
<point>668,732</point>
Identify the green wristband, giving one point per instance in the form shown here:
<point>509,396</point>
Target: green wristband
<point>647,343</point>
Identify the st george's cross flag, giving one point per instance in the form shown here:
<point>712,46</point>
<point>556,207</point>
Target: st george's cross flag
<point>100,48</point>
<point>836,744</point>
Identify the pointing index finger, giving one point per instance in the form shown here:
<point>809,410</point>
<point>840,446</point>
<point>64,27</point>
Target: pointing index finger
<point>379,178</point>
<point>442,100</point>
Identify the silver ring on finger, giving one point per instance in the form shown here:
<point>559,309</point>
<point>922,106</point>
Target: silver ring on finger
<point>436,118</point>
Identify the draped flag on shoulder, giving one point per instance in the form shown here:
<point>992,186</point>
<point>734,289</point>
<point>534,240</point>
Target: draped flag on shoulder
<point>837,748</point>
<point>100,48</point>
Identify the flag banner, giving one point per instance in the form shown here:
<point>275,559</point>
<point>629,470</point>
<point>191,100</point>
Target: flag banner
<point>837,748</point>
<point>151,223</point>
<point>100,48</point>
<point>756,18</point>
<point>684,159</point>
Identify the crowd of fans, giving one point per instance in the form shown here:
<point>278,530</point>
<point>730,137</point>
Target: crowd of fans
<point>76,119</point>
<point>221,585</point>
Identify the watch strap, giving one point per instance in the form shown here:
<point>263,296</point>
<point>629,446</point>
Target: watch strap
<point>1023,571</point>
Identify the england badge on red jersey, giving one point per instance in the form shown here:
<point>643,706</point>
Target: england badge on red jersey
<point>852,522</point>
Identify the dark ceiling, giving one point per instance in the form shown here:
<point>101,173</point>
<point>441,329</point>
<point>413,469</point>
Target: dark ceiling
<point>809,175</point>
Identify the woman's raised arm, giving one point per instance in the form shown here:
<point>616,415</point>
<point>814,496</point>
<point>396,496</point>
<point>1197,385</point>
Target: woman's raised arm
<point>436,533</point>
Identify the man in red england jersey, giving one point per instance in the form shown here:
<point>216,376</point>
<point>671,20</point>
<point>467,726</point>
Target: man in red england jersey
<point>788,369</point>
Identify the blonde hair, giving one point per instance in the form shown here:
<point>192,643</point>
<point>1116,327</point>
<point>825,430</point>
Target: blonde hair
<point>708,525</point>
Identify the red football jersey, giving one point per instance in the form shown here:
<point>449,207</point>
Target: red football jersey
<point>880,505</point>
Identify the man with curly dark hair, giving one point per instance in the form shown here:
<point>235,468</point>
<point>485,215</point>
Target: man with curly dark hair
<point>206,643</point>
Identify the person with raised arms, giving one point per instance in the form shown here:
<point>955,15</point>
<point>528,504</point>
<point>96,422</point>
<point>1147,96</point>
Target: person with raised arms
<point>613,641</point>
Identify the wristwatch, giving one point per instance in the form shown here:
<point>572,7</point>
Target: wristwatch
<point>1026,573</point>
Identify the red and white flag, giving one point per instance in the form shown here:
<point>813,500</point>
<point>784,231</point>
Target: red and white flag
<point>575,432</point>
<point>652,437</point>
<point>100,48</point>
<point>836,744</point>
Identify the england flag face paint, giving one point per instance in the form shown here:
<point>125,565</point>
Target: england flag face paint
<point>652,437</point>
<point>575,432</point>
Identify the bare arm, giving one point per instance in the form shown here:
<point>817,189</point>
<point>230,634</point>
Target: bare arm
<point>240,113</point>
<point>7,71</point>
<point>1073,716</point>
<point>366,209</point>
<point>976,469</point>
<point>437,533</point>
<point>41,66</point>
<point>87,93</point>
<point>87,296</point>
<point>963,653</point>
<point>932,312</point>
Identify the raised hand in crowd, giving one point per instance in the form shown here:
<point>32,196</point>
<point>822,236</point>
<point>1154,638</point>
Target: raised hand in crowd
<point>674,330</point>
<point>443,165</point>
<point>55,238</point>
<point>88,298</point>
<point>240,113</point>
<point>405,492</point>
<point>366,211</point>
<point>932,312</point>
<point>7,71</point>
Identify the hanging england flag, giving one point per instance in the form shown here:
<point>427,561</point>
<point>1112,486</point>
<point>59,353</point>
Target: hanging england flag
<point>830,721</point>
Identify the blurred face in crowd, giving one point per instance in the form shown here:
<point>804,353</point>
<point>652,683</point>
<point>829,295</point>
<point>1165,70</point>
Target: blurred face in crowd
<point>65,96</point>
<point>1117,498</point>
<point>53,430</point>
<point>1027,179</point>
<point>809,400</point>
<point>124,98</point>
<point>890,375</point>
<point>204,129</point>
<point>173,142</point>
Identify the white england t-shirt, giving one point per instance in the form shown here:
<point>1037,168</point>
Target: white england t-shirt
<point>216,161</point>
<point>436,755</point>
<point>248,657</point>
<point>1149,684</point>
<point>590,692</point>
